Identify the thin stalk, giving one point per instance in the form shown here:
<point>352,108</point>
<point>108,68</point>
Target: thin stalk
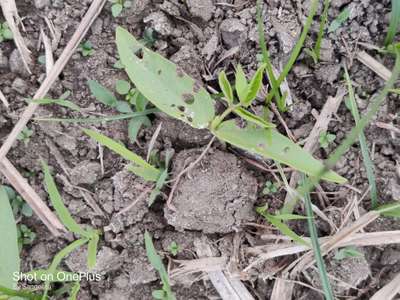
<point>369,165</point>
<point>296,51</point>
<point>316,247</point>
<point>264,50</point>
<point>324,19</point>
<point>394,22</point>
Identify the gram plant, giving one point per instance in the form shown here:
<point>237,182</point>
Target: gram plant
<point>5,32</point>
<point>175,93</point>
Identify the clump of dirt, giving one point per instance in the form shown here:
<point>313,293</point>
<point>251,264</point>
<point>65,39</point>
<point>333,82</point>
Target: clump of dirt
<point>217,195</point>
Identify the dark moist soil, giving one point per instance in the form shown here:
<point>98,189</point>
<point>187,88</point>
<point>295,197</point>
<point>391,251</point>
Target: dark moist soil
<point>217,198</point>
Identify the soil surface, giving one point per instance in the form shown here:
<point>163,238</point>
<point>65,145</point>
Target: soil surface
<point>217,198</point>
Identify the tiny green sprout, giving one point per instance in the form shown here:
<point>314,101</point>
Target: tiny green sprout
<point>5,32</point>
<point>86,48</point>
<point>148,37</point>
<point>312,54</point>
<point>174,248</point>
<point>25,235</point>
<point>25,135</point>
<point>347,252</point>
<point>340,19</point>
<point>270,188</point>
<point>118,5</point>
<point>326,138</point>
<point>42,59</point>
<point>19,206</point>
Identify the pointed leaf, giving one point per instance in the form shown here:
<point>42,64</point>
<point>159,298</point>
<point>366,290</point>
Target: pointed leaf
<point>241,83</point>
<point>141,167</point>
<point>248,116</point>
<point>102,94</point>
<point>225,86</point>
<point>164,84</point>
<point>9,258</point>
<point>254,86</point>
<point>271,144</point>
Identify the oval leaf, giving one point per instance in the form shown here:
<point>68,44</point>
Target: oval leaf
<point>102,94</point>
<point>271,144</point>
<point>165,84</point>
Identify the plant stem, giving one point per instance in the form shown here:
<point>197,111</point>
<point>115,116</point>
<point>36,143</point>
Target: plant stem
<point>218,120</point>
<point>324,19</point>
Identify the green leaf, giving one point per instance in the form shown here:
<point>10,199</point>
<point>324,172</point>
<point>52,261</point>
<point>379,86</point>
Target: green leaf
<point>9,258</point>
<point>288,217</point>
<point>271,144</point>
<point>248,116</point>
<point>116,9</point>
<point>158,294</point>
<point>140,168</point>
<point>61,102</point>
<point>164,84</point>
<point>225,87</point>
<point>58,204</point>
<point>240,83</point>
<point>347,252</point>
<point>390,210</point>
<point>134,126</point>
<point>74,291</point>
<point>7,34</point>
<point>394,22</point>
<point>92,249</point>
<point>102,94</point>
<point>122,87</point>
<point>156,261</point>
<point>124,107</point>
<point>254,87</point>
<point>282,227</point>
<point>341,18</point>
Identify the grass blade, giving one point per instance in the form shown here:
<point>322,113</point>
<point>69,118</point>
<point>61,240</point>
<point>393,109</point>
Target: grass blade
<point>13,293</point>
<point>265,52</point>
<point>60,102</point>
<point>58,204</point>
<point>296,50</point>
<point>92,250</point>
<point>394,22</point>
<point>316,247</point>
<point>369,166</point>
<point>9,258</point>
<point>324,20</point>
<point>103,119</point>
<point>141,167</point>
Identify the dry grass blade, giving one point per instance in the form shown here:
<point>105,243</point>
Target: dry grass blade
<point>4,99</point>
<point>389,291</point>
<point>283,290</point>
<point>10,13</point>
<point>48,51</point>
<point>31,197</point>
<point>80,32</point>
<point>374,65</point>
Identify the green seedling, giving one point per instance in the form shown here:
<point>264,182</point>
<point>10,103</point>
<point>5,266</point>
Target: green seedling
<point>325,139</point>
<point>174,248</point>
<point>87,236</point>
<point>86,49</point>
<point>181,97</point>
<point>155,260</point>
<point>25,135</point>
<point>5,32</point>
<point>270,188</point>
<point>118,5</point>
<point>42,59</point>
<point>134,102</point>
<point>394,22</point>
<point>348,252</point>
<point>18,205</point>
<point>339,21</point>
<point>25,236</point>
<point>148,37</point>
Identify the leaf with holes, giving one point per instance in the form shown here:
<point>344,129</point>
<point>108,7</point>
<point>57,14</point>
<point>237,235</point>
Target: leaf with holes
<point>271,144</point>
<point>164,84</point>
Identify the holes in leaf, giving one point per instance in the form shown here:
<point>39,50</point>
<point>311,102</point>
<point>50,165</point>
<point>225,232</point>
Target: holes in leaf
<point>188,98</point>
<point>139,53</point>
<point>181,108</point>
<point>173,105</point>
<point>240,123</point>
<point>190,119</point>
<point>159,72</point>
<point>286,149</point>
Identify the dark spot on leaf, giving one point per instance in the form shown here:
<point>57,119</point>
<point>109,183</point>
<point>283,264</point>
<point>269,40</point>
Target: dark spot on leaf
<point>139,53</point>
<point>188,98</point>
<point>196,87</point>
<point>286,149</point>
<point>181,108</point>
<point>159,72</point>
<point>261,146</point>
<point>173,105</point>
<point>190,119</point>
<point>179,72</point>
